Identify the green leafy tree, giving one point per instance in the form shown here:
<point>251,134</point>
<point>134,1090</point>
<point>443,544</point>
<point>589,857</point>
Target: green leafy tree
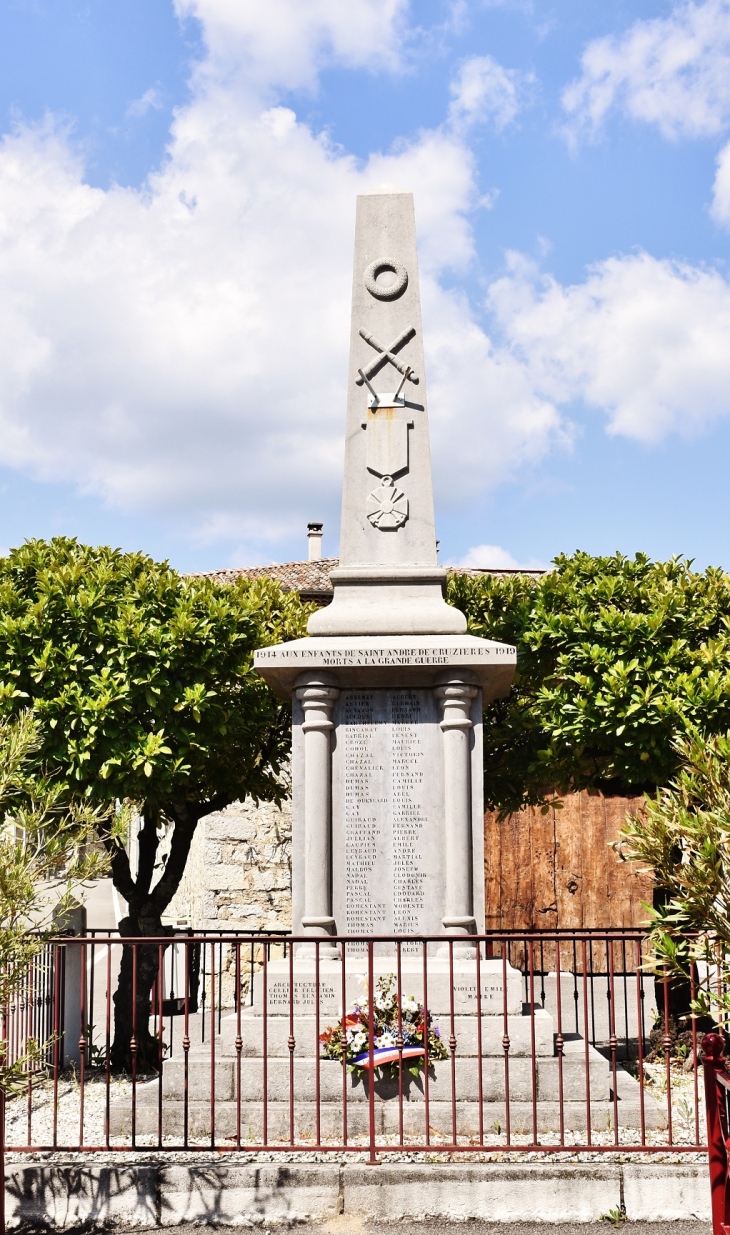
<point>617,657</point>
<point>683,836</point>
<point>48,848</point>
<point>143,688</point>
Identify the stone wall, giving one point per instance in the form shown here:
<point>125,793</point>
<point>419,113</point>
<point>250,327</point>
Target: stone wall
<point>238,874</point>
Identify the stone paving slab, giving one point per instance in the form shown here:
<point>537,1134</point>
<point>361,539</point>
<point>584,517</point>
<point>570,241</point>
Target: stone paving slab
<point>350,1224</point>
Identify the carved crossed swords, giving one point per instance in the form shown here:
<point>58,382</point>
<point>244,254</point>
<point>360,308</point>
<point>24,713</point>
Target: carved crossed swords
<point>385,355</point>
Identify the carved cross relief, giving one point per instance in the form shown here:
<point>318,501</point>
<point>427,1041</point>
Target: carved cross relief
<point>386,355</point>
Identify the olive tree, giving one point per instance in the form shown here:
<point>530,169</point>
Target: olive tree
<point>683,836</point>
<point>47,850</point>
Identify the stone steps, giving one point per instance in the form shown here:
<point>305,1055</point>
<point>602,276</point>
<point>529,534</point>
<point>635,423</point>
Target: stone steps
<point>540,1075</point>
<point>386,1119</point>
<point>440,1081</point>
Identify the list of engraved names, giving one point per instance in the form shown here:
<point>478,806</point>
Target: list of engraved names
<point>408,816</point>
<point>388,832</point>
<point>365,802</point>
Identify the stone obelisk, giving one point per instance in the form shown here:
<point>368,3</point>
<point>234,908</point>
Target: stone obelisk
<point>388,581</point>
<point>387,689</point>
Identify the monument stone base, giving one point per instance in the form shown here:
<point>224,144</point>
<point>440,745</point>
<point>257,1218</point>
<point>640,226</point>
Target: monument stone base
<point>273,1083</point>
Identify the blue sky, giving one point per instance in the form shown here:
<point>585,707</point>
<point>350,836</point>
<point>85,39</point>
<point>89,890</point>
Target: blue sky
<point>177,184</point>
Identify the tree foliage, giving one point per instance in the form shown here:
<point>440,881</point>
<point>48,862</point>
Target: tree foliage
<point>143,687</point>
<point>142,681</point>
<point>617,657</point>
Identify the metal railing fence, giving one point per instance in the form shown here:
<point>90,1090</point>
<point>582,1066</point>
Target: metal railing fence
<point>550,1041</point>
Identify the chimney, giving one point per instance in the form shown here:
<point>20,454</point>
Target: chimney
<point>314,536</point>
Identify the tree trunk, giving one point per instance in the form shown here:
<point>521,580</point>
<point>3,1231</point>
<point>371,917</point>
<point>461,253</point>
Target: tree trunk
<point>132,1036</point>
<point>137,973</point>
<point>678,990</point>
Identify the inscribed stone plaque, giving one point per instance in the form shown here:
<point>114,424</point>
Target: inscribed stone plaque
<point>387,799</point>
<point>387,833</point>
<point>303,992</point>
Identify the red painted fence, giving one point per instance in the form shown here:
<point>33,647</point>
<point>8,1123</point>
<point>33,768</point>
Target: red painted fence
<point>717,1089</point>
<point>531,1041</point>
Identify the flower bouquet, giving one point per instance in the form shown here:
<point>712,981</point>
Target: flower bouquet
<point>349,1038</point>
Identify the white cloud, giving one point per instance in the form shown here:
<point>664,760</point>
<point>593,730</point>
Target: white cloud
<point>151,100</point>
<point>485,91</point>
<point>181,348</point>
<point>492,557</point>
<point>671,71</point>
<point>265,43</point>
<point>645,340</point>
<point>487,419</point>
<point>721,187</point>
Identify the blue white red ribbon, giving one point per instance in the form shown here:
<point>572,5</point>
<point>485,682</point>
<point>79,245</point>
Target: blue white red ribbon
<point>387,1054</point>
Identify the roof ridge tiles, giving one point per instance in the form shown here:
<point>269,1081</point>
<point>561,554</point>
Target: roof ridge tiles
<point>312,579</point>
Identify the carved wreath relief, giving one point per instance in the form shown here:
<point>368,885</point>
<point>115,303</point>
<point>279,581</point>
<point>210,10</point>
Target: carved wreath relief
<point>395,289</point>
<point>387,430</point>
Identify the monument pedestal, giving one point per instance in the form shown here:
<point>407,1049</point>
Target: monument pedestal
<point>388,803</point>
<point>274,1084</point>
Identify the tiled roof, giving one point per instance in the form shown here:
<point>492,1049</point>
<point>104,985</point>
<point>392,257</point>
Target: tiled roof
<point>312,579</point>
<point>308,578</point>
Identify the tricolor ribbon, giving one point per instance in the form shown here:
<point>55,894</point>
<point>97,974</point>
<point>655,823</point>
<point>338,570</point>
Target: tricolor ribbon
<point>387,1054</point>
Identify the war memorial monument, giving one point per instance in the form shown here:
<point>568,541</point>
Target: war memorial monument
<point>387,689</point>
<point>388,692</point>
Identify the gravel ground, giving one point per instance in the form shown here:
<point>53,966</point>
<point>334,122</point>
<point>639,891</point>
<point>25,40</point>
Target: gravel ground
<point>494,1147</point>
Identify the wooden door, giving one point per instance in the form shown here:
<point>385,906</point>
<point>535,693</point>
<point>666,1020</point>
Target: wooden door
<point>557,869</point>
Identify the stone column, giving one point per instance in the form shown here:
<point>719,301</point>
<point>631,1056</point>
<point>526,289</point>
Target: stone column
<point>317,692</point>
<point>455,691</point>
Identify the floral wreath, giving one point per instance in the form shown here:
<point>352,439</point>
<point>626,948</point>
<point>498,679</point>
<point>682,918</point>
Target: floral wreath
<point>389,1046</point>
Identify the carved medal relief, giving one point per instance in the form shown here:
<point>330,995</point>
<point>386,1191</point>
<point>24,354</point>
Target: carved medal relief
<point>387,506</point>
<point>387,419</point>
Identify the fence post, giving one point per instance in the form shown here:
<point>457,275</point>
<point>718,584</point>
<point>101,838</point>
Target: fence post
<point>73,922</point>
<point>714,1063</point>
